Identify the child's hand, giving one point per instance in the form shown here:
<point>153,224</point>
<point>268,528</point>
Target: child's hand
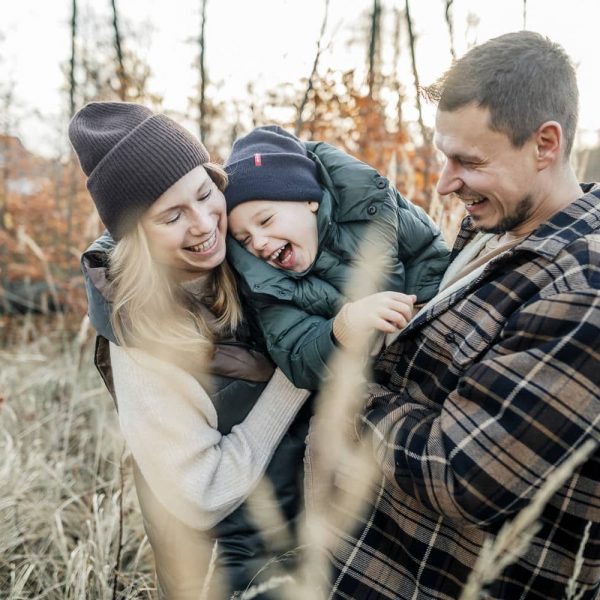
<point>385,311</point>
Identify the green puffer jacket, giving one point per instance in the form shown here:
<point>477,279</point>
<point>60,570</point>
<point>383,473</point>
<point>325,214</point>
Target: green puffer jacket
<point>295,310</point>
<point>243,557</point>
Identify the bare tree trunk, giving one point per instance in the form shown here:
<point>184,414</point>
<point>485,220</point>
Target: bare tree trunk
<point>7,99</point>
<point>121,74</point>
<point>472,28</point>
<point>374,42</point>
<point>256,111</point>
<point>450,24</point>
<point>72,63</point>
<point>311,79</point>
<point>401,171</point>
<point>72,166</point>
<point>397,85</point>
<point>424,132</point>
<point>201,67</point>
<point>413,58</point>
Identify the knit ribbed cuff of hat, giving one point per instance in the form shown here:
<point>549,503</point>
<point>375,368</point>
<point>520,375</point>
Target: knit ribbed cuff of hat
<point>272,177</point>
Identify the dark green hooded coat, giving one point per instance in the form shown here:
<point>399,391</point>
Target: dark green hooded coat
<point>295,310</point>
<point>242,552</point>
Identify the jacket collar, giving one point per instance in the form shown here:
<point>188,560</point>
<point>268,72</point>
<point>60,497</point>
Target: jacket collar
<point>580,218</point>
<point>95,261</point>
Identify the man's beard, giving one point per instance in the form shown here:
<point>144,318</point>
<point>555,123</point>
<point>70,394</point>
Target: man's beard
<point>519,215</point>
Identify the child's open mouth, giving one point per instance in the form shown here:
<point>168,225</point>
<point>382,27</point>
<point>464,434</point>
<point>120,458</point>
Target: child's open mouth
<point>283,257</point>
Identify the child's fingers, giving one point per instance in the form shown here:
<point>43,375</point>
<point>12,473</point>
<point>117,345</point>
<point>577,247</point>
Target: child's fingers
<point>397,318</point>
<point>406,310</point>
<point>385,326</point>
<point>400,297</point>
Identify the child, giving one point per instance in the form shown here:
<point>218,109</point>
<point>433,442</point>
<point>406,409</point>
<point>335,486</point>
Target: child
<point>299,212</point>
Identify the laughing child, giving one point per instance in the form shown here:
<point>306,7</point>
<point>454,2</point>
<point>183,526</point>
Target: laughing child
<point>298,212</point>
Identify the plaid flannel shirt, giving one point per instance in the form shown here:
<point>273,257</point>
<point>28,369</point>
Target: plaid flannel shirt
<point>476,403</point>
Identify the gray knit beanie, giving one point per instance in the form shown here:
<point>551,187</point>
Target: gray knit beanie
<point>131,157</point>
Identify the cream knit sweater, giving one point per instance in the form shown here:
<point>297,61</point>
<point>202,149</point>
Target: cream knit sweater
<point>170,426</point>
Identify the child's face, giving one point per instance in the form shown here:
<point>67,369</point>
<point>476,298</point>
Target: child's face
<point>282,233</point>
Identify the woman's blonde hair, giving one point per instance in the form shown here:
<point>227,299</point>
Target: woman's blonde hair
<point>153,312</point>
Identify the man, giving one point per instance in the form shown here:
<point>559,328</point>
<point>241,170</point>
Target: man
<point>495,383</point>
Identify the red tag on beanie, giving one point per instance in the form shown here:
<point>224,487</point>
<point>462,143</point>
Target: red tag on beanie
<point>257,160</point>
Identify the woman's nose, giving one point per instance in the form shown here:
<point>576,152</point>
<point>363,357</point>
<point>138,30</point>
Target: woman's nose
<point>449,181</point>
<point>201,221</point>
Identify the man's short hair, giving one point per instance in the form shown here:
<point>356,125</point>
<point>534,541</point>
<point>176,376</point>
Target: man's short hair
<point>523,78</point>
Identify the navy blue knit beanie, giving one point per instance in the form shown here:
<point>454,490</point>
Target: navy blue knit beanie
<point>131,157</point>
<point>270,164</point>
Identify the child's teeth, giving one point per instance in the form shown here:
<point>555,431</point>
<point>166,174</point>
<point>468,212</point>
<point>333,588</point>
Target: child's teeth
<point>276,253</point>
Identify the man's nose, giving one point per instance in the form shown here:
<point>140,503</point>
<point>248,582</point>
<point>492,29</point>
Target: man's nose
<point>450,180</point>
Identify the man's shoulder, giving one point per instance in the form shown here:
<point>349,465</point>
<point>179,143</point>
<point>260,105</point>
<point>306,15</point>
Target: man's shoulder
<point>581,259</point>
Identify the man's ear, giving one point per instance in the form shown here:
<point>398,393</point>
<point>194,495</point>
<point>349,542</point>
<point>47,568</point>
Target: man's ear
<point>549,142</point>
<point>313,205</point>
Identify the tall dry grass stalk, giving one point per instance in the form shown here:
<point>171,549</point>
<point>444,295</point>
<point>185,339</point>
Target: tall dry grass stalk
<point>65,515</point>
<point>28,241</point>
<point>573,591</point>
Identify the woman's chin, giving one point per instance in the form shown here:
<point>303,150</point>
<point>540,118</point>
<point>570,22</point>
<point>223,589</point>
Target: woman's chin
<point>207,262</point>
<point>189,264</point>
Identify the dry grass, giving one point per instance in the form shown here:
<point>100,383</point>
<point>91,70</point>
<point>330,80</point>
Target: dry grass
<point>70,526</point>
<point>68,512</point>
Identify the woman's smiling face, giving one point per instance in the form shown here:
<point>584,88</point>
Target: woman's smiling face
<point>186,226</point>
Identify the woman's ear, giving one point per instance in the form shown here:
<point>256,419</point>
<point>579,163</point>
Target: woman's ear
<point>313,205</point>
<point>549,141</point>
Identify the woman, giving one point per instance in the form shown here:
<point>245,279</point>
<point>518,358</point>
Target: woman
<point>165,305</point>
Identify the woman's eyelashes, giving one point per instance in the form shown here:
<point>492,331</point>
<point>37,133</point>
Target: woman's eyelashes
<point>173,219</point>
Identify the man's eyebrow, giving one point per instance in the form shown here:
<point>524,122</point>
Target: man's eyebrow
<point>460,157</point>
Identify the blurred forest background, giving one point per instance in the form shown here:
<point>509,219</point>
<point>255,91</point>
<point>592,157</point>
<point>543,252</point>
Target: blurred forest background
<point>69,523</point>
<point>376,111</point>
